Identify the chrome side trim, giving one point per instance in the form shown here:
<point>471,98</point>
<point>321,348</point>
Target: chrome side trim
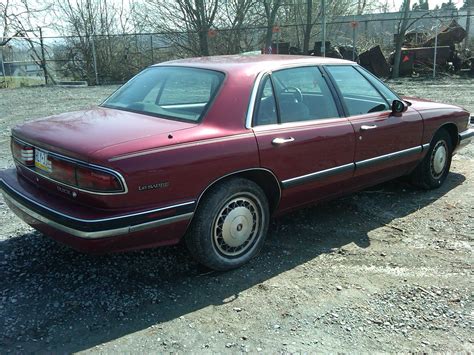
<point>318,175</point>
<point>352,166</point>
<point>386,157</point>
<point>97,234</point>
<point>253,98</point>
<point>161,222</point>
<point>181,145</point>
<point>79,162</point>
<point>171,207</point>
<point>469,133</point>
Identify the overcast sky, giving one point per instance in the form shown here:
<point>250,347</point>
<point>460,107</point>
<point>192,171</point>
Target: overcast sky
<point>47,19</point>
<point>431,3</point>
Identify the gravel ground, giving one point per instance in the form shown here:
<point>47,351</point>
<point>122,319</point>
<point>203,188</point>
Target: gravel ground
<point>386,269</point>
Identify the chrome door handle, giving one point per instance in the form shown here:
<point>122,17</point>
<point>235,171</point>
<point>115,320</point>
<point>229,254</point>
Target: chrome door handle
<point>282,140</point>
<point>367,127</point>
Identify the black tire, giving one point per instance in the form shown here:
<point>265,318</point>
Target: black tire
<point>434,168</point>
<point>234,211</point>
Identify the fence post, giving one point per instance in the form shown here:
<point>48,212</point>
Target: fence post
<point>3,67</point>
<point>354,26</point>
<point>151,48</point>
<point>323,15</point>
<point>43,58</point>
<point>435,48</point>
<point>137,51</point>
<point>94,58</point>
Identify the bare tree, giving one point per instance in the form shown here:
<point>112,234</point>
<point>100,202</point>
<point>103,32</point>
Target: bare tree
<point>181,21</point>
<point>361,4</point>
<point>271,8</point>
<point>400,38</point>
<point>308,26</point>
<point>18,19</point>
<point>233,16</point>
<point>93,46</point>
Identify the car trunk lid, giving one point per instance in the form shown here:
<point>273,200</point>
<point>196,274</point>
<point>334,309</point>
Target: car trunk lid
<point>80,134</point>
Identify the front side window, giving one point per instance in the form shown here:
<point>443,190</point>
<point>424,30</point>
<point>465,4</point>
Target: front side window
<point>381,87</point>
<point>169,92</point>
<point>360,96</point>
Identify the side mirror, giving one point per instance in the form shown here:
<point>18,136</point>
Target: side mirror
<point>398,106</point>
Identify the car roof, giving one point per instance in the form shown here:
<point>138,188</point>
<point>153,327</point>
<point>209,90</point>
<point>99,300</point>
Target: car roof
<point>253,64</point>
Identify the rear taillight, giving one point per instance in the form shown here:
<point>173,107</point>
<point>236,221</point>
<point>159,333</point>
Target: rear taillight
<point>63,171</point>
<point>23,153</point>
<point>96,180</point>
<point>69,172</point>
<point>84,177</point>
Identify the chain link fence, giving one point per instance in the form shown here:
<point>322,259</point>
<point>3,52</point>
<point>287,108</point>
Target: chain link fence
<point>93,60</point>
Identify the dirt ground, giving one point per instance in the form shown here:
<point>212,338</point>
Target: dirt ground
<point>388,269</point>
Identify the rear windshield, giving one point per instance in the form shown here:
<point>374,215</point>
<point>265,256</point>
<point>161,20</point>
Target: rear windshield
<point>170,92</point>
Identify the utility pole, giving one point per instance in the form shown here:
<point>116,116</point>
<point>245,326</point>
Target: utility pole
<point>469,5</point>
<point>323,31</point>
<point>435,48</point>
<point>3,67</point>
<point>91,38</point>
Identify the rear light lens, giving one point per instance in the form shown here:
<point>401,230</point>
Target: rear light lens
<point>69,172</point>
<point>96,180</point>
<point>23,153</point>
<point>63,171</point>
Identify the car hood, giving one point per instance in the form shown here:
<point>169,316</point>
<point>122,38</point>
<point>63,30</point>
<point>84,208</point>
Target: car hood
<point>80,134</point>
<point>420,104</point>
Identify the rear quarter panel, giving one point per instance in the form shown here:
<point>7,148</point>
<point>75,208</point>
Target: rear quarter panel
<point>184,171</point>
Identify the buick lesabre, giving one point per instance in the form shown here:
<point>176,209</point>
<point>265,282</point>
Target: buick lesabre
<point>209,149</point>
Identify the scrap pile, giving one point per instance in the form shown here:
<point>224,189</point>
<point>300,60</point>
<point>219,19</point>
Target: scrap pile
<point>418,54</point>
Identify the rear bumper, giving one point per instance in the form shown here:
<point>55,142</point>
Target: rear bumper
<point>43,212</point>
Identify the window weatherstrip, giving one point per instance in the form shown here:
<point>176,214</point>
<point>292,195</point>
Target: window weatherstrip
<point>336,97</point>
<point>252,101</point>
<point>275,99</point>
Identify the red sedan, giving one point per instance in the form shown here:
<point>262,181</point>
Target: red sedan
<point>209,149</point>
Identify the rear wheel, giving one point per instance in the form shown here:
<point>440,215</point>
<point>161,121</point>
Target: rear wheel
<point>230,225</point>
<point>434,168</point>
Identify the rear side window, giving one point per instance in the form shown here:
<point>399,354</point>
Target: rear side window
<point>303,95</point>
<point>359,95</point>
<point>266,106</point>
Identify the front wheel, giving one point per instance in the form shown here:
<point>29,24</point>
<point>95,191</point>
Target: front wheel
<point>230,225</point>
<point>434,168</point>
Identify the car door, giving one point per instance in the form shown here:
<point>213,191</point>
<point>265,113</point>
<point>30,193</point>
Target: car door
<point>387,144</point>
<point>301,137</point>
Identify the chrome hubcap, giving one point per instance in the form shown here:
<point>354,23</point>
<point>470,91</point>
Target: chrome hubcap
<point>236,226</point>
<point>439,157</point>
